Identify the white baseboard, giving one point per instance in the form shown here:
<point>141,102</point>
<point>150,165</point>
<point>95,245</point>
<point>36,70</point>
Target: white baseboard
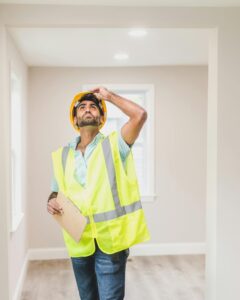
<point>139,250</point>
<point>19,287</point>
<point>47,253</point>
<point>168,249</point>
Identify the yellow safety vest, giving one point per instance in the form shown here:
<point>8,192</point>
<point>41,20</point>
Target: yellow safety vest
<point>110,199</point>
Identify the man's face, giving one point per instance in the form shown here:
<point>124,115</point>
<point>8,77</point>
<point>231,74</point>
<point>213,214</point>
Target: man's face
<point>88,114</point>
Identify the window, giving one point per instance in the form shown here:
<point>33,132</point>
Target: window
<point>143,148</point>
<point>16,153</point>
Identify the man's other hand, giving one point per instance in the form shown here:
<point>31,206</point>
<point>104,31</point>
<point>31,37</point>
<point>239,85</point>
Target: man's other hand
<point>53,207</point>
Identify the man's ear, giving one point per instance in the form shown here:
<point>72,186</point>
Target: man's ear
<point>75,121</point>
<point>102,119</point>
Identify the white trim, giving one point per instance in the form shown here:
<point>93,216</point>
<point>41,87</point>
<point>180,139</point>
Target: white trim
<point>21,279</point>
<point>150,107</point>
<point>125,87</point>
<point>139,250</point>
<point>16,220</point>
<point>168,249</point>
<point>47,253</point>
<point>148,198</point>
<point>16,156</point>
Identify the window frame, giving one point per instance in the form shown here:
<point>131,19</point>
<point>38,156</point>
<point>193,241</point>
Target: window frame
<point>16,210</point>
<point>148,89</point>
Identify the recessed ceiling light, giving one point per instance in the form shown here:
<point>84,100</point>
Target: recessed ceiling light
<point>137,32</point>
<point>121,56</point>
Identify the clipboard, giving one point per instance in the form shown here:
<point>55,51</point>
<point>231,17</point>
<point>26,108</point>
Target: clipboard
<point>71,220</point>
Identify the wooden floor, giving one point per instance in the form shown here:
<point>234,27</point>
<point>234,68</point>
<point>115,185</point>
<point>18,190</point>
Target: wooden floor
<point>147,278</point>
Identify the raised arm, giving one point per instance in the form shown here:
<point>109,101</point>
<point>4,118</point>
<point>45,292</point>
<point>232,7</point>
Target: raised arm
<point>137,114</point>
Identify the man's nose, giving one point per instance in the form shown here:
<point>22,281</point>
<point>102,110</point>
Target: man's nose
<point>87,108</point>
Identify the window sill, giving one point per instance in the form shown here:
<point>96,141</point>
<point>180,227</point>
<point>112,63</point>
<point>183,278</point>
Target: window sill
<point>148,198</point>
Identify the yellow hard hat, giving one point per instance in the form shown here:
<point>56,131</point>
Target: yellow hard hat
<point>76,99</point>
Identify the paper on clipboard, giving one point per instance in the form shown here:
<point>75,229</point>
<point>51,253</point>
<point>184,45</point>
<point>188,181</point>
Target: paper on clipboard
<point>71,220</point>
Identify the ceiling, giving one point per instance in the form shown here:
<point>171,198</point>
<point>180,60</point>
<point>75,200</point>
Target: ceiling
<point>96,47</point>
<point>169,3</point>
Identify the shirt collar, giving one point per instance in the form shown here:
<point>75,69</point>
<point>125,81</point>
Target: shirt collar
<point>73,144</point>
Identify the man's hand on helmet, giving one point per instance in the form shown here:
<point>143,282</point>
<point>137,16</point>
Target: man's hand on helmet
<point>102,93</point>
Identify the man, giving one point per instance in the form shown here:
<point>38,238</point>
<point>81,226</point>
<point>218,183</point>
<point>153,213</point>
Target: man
<point>97,174</point>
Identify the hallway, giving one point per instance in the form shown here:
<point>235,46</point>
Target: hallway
<point>170,277</point>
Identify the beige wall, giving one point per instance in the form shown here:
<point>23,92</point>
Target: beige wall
<point>178,213</point>
<point>18,244</point>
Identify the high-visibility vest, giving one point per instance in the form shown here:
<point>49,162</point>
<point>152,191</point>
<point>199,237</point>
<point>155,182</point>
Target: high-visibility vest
<point>110,200</point>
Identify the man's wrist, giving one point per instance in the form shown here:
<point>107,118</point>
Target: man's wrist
<point>111,96</point>
<point>52,195</point>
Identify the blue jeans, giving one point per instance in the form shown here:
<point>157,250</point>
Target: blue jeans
<point>101,276</point>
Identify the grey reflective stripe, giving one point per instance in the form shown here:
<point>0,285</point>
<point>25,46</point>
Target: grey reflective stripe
<point>64,161</point>
<point>112,175</point>
<point>119,210</point>
<point>106,216</point>
<point>64,157</point>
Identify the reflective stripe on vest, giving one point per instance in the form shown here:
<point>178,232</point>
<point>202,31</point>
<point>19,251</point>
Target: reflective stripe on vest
<point>119,210</point>
<point>64,157</point>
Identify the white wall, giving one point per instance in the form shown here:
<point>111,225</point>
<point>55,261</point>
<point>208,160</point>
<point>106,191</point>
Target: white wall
<point>178,213</point>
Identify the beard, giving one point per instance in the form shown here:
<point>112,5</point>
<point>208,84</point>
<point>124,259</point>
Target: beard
<point>87,121</point>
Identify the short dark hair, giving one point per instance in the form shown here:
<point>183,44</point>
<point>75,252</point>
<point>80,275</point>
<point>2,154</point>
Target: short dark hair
<point>89,97</point>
